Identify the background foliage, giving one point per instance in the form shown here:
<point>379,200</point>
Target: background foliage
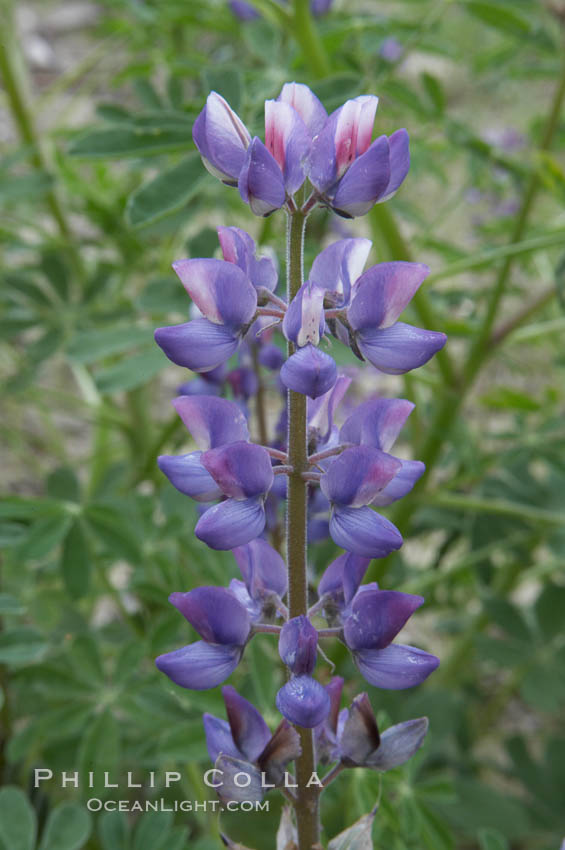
<point>101,189</point>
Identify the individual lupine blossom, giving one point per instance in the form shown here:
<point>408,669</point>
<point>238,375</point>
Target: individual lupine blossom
<point>247,12</point>
<point>364,312</point>
<point>227,293</point>
<point>302,700</point>
<point>244,744</point>
<point>369,619</point>
<point>224,618</point>
<point>348,171</point>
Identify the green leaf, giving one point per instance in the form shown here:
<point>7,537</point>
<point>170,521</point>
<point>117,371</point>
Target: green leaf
<point>505,398</point>
<point>131,372</point>
<point>151,831</point>
<point>131,141</point>
<point>86,661</point>
<point>113,829</point>
<point>21,645</point>
<point>67,828</point>
<point>145,91</point>
<point>9,605</point>
<point>76,562</point>
<point>17,820</point>
<point>99,750</point>
<point>114,531</point>
<point>89,346</point>
<point>226,81</point>
<point>63,484</point>
<point>435,92</point>
<point>549,608</point>
<point>491,839</point>
<point>500,17</point>
<point>44,535</point>
<point>168,192</point>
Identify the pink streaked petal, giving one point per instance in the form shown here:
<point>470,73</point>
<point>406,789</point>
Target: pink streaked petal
<point>301,98</point>
<point>288,140</point>
<point>242,470</point>
<point>353,130</point>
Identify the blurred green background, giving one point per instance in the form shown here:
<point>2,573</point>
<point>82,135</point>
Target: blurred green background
<point>100,190</point>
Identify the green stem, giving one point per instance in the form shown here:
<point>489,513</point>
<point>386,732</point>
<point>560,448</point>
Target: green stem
<point>448,407</point>
<point>13,71</point>
<point>308,38</point>
<point>307,799</point>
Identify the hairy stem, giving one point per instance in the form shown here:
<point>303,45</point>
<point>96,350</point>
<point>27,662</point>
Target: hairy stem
<point>307,799</point>
<point>14,75</point>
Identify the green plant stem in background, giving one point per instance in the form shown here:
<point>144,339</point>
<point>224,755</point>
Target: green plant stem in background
<point>449,405</point>
<point>13,71</point>
<point>307,799</point>
<point>306,34</point>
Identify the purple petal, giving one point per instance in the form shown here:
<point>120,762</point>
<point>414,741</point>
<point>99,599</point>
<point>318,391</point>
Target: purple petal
<point>309,371</point>
<point>376,423</point>
<point>221,138</point>
<point>360,735</point>
<point>262,568</point>
<point>200,665</point>
<point>199,345</point>
<point>218,737</point>
<point>215,613</point>
<point>353,130</point>
<point>288,140</point>
<point>321,410</point>
<point>383,292</point>
<point>241,593</point>
<point>243,382</point>
<point>339,265</point>
<point>303,701</point>
<point>249,731</point>
<point>364,182</point>
<point>376,617</point>
<point>245,12</point>
<point>399,145</point>
<point>298,645</point>
<point>304,320</point>
<point>242,470</point>
<point>261,183</point>
<point>220,290</point>
<point>410,472</point>
<point>318,530</point>
<point>326,732</point>
<point>246,788</point>
<point>398,744</point>
<point>343,576</point>
<point>396,667</point>
<point>231,523</point>
<point>306,104</point>
<point>364,532</point>
<point>334,689</point>
<point>238,247</point>
<point>283,747</point>
<point>186,473</point>
<point>355,477</point>
<point>212,421</point>
<point>271,357</point>
<point>400,348</point>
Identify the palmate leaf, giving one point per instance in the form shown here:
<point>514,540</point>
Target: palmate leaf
<point>68,828</point>
<point>17,820</point>
<point>168,192</point>
<point>117,142</point>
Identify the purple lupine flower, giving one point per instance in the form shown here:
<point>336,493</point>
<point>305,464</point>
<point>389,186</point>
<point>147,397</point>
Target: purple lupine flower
<point>375,617</point>
<point>361,744</point>
<point>238,247</point>
<point>309,371</point>
<point>321,411</point>
<point>265,579</point>
<point>261,182</point>
<point>213,422</point>
<point>244,474</point>
<point>377,423</point>
<point>298,645</point>
<point>222,139</point>
<point>350,484</point>
<point>228,302</point>
<point>302,700</point>
<point>339,584</point>
<point>288,140</point>
<point>338,266</point>
<point>326,733</point>
<point>223,623</point>
<point>244,744</point>
<point>305,102</point>
<point>351,173</point>
<point>379,297</point>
